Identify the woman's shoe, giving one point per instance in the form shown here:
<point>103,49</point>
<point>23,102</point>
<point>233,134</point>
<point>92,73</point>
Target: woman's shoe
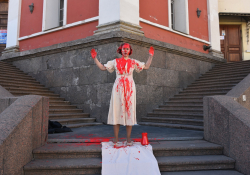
<point>130,143</point>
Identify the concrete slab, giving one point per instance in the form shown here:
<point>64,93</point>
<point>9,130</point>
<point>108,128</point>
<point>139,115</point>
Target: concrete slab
<point>105,133</point>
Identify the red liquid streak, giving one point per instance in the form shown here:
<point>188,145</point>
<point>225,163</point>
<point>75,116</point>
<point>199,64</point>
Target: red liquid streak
<point>136,158</point>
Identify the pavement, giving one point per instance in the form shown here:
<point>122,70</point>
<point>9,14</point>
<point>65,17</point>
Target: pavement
<point>105,133</point>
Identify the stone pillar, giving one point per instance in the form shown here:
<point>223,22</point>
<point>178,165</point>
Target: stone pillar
<point>14,13</point>
<point>119,15</point>
<point>214,28</point>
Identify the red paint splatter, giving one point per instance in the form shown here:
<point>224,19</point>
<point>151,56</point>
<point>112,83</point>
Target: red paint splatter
<point>136,158</point>
<point>151,51</point>
<point>118,147</point>
<point>139,151</point>
<point>93,53</point>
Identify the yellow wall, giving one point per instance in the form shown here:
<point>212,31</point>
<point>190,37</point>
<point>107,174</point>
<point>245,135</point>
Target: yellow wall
<point>233,20</point>
<point>234,6</point>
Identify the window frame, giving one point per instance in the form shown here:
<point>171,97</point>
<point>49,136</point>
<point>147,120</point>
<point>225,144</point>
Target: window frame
<point>171,17</point>
<point>64,15</point>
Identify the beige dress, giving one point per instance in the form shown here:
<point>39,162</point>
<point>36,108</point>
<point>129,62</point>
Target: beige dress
<point>122,109</point>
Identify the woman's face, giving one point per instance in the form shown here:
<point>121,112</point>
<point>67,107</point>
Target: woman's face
<point>125,50</point>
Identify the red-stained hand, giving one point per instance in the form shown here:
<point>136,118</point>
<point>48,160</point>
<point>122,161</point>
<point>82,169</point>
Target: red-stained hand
<point>151,51</point>
<point>93,53</point>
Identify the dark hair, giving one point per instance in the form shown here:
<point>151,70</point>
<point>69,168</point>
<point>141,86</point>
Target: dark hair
<point>119,50</point>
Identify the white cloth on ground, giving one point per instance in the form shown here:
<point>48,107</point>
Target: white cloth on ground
<point>128,160</point>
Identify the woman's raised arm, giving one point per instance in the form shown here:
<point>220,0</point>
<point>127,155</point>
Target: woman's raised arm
<point>150,58</point>
<point>94,54</point>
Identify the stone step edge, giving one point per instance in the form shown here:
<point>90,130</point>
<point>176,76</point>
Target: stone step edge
<point>169,161</point>
<point>121,139</point>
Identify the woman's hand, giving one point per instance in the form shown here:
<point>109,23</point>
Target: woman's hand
<point>151,51</point>
<point>93,53</point>
<point>151,54</point>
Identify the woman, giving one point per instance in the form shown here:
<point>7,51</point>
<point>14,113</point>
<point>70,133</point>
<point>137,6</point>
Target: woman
<point>122,109</point>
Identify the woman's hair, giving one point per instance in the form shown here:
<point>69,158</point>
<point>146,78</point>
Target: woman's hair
<point>119,50</point>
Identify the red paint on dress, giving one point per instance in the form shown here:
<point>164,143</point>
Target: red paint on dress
<point>126,87</point>
<point>124,66</point>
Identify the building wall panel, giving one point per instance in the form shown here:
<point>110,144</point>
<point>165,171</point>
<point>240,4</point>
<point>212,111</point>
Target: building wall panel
<point>172,38</point>
<point>198,27</point>
<point>31,22</point>
<point>155,11</point>
<point>61,36</point>
<point>79,10</point>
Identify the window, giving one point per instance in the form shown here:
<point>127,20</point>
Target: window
<point>61,12</point>
<point>179,15</point>
<point>54,13</point>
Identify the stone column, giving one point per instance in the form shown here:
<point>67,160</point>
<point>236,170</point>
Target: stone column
<point>119,15</point>
<point>13,28</point>
<point>214,28</point>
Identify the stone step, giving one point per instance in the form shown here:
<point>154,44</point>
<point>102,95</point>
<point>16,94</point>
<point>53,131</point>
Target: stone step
<point>197,85</point>
<point>222,85</point>
<point>10,85</point>
<point>179,107</point>
<point>190,98</point>
<point>222,76</point>
<point>205,172</point>
<point>65,116</point>
<point>64,111</point>
<point>176,115</point>
<point>56,99</point>
<point>226,73</point>
<point>214,81</point>
<point>19,79</point>
<point>218,70</point>
<point>19,93</point>
<point>62,106</point>
<point>20,83</point>
<point>11,73</point>
<point>188,163</point>
<point>231,66</point>
<point>199,102</point>
<point>5,64</point>
<point>77,125</point>
<point>195,122</point>
<point>208,93</point>
<point>162,148</point>
<point>75,120</point>
<point>10,69</point>
<point>93,165</point>
<point>33,90</point>
<point>193,111</point>
<point>59,103</point>
<point>178,126</point>
<point>198,90</point>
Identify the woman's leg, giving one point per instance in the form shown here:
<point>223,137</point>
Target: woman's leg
<point>116,132</point>
<point>129,129</point>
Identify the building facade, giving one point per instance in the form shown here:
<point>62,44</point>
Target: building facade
<point>172,21</point>
<point>51,41</point>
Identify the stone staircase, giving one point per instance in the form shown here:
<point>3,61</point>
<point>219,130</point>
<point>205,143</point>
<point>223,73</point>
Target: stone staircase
<point>18,83</point>
<point>185,110</point>
<point>196,157</point>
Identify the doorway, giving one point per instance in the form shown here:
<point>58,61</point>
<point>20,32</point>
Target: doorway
<point>231,42</point>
